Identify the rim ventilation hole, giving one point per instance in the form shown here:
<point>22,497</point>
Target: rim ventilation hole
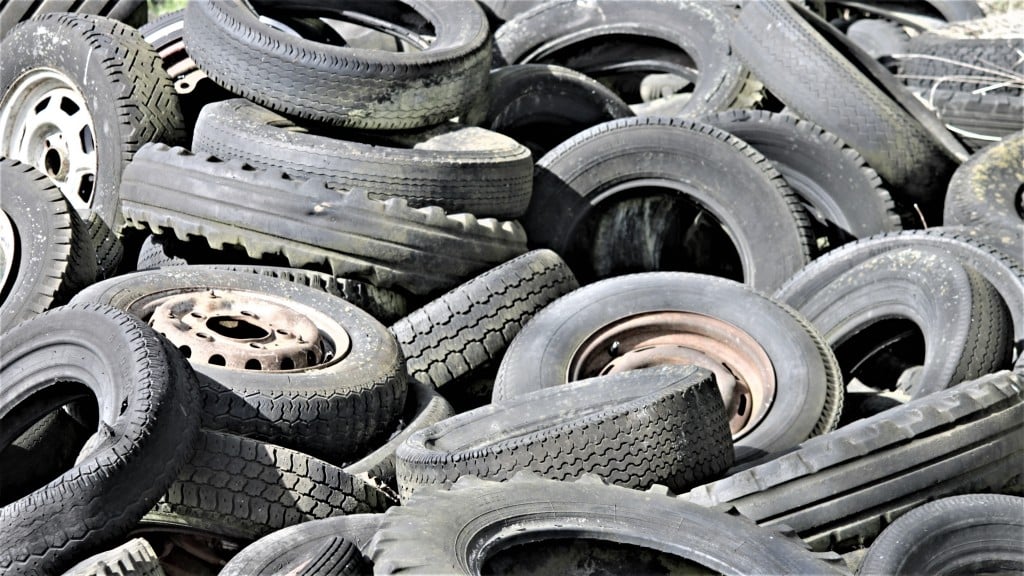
<point>252,364</point>
<point>217,360</point>
<point>287,364</point>
<point>185,351</point>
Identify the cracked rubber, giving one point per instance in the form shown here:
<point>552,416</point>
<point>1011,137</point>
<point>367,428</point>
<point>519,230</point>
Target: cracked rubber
<point>845,91</point>
<point>242,488</point>
<point>976,533</point>
<point>53,256</point>
<point>662,425</point>
<point>149,414</point>
<point>459,168</point>
<point>844,196</point>
<point>809,386</point>
<point>130,97</point>
<point>331,411</point>
<point>576,182</point>
<point>839,490</point>
<point>965,324</point>
<point>387,244</point>
<point>988,190</point>
<point>133,558</point>
<point>457,530</point>
<point>340,85</point>
<point>473,324</point>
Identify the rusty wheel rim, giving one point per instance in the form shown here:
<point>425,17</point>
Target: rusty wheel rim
<point>743,370</point>
<point>244,330</point>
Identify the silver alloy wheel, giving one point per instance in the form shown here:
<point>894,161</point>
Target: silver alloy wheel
<point>44,122</point>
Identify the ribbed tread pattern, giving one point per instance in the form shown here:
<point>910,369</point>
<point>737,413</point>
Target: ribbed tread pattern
<point>264,211</point>
<point>474,323</point>
<point>133,558</point>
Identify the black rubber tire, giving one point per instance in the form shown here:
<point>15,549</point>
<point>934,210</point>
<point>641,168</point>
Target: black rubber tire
<point>288,549</point>
<point>456,531</point>
<point>40,454</point>
<point>977,119</point>
<point>1004,272</point>
<point>459,168</point>
<point>500,11</point>
<point>965,324</point>
<point>988,190</point>
<point>133,558</point>
<point>844,196</point>
<point>14,11</point>
<point>663,425</point>
<point>544,105</point>
<point>547,33</point>
<point>340,85</point>
<point>129,96</point>
<point>809,388</point>
<point>576,182</point>
<point>849,94</point>
<point>156,252</point>
<point>148,410</point>
<point>838,490</point>
<point>387,244</point>
<point>972,533</point>
<point>53,256</point>
<point>878,37</point>
<point>974,55</point>
<point>472,325</point>
<point>331,411</point>
<point>423,407</point>
<point>241,488</point>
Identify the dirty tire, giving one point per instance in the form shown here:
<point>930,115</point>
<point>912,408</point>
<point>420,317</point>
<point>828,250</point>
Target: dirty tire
<point>878,37</point>
<point>133,558</point>
<point>663,425</point>
<point>546,33</point>
<point>130,11</point>
<point>988,190</point>
<point>340,85</point>
<point>148,409</point>
<point>456,531</point>
<point>809,388</point>
<point>305,546</point>
<point>576,182</point>
<point>331,410</point>
<point>844,196</point>
<point>837,491</point>
<point>472,325</point>
<point>544,105</point>
<point>976,533</point>
<point>459,168</point>
<point>973,250</point>
<point>155,252</point>
<point>784,47</point>
<point>966,59</point>
<point>52,256</point>
<point>423,407</point>
<point>40,454</point>
<point>131,101</point>
<point>965,324</point>
<point>242,488</point>
<point>387,244</point>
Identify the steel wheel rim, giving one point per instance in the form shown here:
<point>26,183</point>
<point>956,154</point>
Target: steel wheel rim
<point>8,251</point>
<point>742,368</point>
<point>45,122</point>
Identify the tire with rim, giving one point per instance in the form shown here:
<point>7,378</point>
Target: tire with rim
<point>844,196</point>
<point>461,530</point>
<point>45,251</point>
<point>829,81</point>
<point>472,325</point>
<point>644,194</point>
<point>147,410</point>
<point>82,134</point>
<point>606,38</point>
<point>988,190</point>
<point>965,326</point>
<point>779,379</point>
<point>459,168</point>
<point>277,361</point>
<point>241,488</point>
<point>838,490</point>
<point>976,533</point>
<point>387,244</point>
<point>662,425</point>
<point>344,86</point>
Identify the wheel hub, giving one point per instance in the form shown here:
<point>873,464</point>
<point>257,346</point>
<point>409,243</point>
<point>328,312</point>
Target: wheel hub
<point>742,369</point>
<point>243,331</point>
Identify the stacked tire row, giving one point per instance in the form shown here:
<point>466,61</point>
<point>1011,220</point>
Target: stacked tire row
<point>511,286</point>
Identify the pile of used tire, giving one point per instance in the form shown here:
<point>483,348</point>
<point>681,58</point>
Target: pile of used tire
<point>512,287</point>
